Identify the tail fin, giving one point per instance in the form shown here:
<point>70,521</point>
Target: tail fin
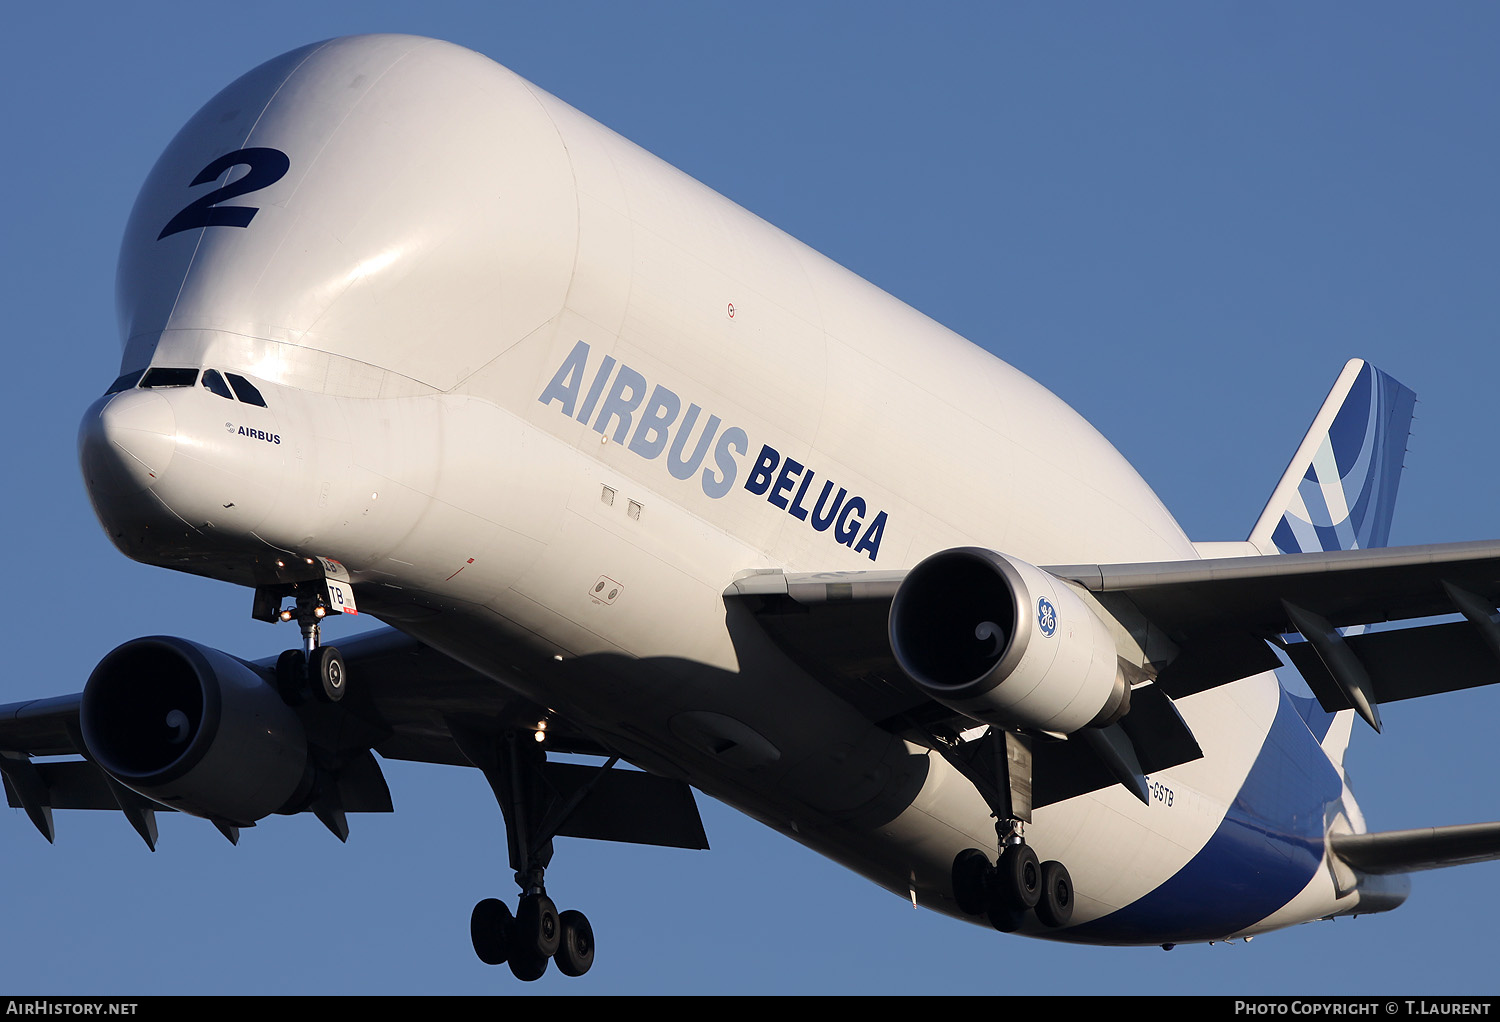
<point>1339,491</point>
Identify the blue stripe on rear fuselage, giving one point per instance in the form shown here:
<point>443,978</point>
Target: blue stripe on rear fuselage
<point>1317,719</point>
<point>1267,848</point>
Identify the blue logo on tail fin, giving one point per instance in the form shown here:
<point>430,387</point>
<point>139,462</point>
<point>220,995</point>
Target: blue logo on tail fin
<point>1347,491</point>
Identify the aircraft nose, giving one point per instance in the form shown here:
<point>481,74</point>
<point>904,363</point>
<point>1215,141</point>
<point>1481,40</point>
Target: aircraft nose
<point>126,442</point>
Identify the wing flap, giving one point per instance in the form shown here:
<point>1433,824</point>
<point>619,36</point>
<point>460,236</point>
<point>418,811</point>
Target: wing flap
<point>40,727</point>
<point>1157,733</point>
<point>833,625</point>
<point>1404,663</point>
<point>627,805</point>
<point>75,784</point>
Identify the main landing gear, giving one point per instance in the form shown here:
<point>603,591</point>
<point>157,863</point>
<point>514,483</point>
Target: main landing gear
<point>536,932</point>
<point>1013,885</point>
<point>999,766</point>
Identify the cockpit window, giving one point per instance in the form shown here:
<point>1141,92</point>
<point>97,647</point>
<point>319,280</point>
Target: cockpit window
<point>126,382</point>
<point>159,376</point>
<point>214,382</point>
<point>245,390</point>
<point>171,376</point>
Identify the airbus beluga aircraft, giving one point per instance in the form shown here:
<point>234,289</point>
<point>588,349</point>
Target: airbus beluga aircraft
<point>632,475</point>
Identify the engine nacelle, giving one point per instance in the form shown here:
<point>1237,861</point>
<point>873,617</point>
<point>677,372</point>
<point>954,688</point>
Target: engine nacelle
<point>194,729</point>
<point>1004,642</point>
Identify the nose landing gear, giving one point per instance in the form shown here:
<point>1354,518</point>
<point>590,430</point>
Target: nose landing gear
<point>320,586</point>
<point>314,671</point>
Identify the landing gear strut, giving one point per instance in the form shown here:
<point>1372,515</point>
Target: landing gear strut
<point>999,765</point>
<point>315,671</point>
<point>536,933</point>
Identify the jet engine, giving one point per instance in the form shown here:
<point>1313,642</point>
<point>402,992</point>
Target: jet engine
<point>195,729</point>
<point>1004,642</point>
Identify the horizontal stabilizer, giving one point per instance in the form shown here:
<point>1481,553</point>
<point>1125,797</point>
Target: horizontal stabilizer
<point>1406,851</point>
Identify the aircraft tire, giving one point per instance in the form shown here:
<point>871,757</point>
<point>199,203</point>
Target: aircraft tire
<point>490,928</point>
<point>575,952</point>
<point>527,967</point>
<point>1019,878</point>
<point>291,676</point>
<point>970,882</point>
<point>537,928</point>
<point>326,674</point>
<point>1004,918</point>
<point>1055,907</point>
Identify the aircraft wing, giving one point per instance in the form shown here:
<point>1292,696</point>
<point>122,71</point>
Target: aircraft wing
<point>1219,613</point>
<point>834,625</point>
<point>410,702</point>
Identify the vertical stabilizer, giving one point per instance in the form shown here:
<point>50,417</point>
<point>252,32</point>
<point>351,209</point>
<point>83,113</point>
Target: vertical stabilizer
<point>1339,491</point>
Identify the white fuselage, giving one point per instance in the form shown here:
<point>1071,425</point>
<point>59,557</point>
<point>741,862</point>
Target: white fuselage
<point>507,357</point>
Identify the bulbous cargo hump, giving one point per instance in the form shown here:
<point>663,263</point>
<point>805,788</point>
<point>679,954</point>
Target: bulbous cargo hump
<point>394,200</point>
<point>401,209</point>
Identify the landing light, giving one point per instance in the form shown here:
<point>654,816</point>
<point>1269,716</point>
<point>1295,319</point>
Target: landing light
<point>541,736</point>
<point>285,615</point>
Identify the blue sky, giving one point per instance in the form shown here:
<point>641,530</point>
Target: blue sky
<point>1181,217</point>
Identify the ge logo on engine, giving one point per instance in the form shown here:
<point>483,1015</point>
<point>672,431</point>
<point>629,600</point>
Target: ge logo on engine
<point>1046,616</point>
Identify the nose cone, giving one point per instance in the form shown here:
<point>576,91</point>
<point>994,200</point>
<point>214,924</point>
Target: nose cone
<point>125,443</point>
